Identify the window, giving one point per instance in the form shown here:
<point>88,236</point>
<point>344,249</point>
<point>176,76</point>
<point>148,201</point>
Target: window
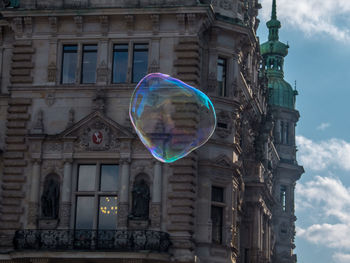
<point>281,131</point>
<point>88,72</point>
<point>120,63</point>
<point>96,197</point>
<point>217,212</point>
<point>287,134</point>
<point>69,64</point>
<point>140,62</point>
<point>221,77</point>
<point>283,193</point>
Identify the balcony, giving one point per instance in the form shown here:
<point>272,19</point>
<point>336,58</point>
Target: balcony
<point>92,240</point>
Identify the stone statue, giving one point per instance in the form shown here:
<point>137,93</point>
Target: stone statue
<point>50,199</point>
<point>140,200</point>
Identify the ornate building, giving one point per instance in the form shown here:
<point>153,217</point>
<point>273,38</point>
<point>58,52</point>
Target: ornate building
<point>77,185</point>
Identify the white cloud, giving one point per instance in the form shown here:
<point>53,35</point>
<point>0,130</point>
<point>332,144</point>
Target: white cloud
<point>324,154</point>
<point>341,258</point>
<point>313,16</point>
<point>327,199</point>
<point>323,126</point>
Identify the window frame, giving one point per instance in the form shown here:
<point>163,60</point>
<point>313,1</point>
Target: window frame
<point>96,193</point>
<point>224,92</point>
<point>79,68</point>
<point>221,205</point>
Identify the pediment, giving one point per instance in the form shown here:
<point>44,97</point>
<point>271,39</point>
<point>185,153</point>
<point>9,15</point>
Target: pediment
<point>223,160</point>
<point>96,132</point>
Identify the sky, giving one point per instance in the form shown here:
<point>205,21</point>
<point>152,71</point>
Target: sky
<point>318,33</point>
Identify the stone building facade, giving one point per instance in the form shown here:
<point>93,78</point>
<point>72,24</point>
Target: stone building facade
<point>77,185</point>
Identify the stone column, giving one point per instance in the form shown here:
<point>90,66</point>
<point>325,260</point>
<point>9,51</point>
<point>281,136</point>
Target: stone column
<point>156,195</point>
<point>34,195</point>
<point>123,209</point>
<point>66,202</point>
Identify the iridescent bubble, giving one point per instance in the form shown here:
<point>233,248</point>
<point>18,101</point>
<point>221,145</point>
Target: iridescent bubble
<point>171,118</point>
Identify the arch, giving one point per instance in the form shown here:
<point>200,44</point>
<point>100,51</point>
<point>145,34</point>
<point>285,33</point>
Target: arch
<point>140,197</point>
<point>50,197</point>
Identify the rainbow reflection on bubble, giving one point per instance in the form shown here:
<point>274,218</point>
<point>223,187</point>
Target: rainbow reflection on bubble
<point>171,118</point>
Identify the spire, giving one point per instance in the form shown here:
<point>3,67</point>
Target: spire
<point>274,12</point>
<point>274,24</point>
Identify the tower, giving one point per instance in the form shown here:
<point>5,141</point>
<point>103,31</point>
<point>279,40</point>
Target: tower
<point>285,116</point>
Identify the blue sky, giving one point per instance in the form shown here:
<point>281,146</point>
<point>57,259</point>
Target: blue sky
<point>319,60</point>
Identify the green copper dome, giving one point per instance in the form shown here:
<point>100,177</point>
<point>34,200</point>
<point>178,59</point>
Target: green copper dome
<point>273,52</point>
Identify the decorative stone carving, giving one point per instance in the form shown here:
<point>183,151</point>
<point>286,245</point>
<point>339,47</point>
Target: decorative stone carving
<point>212,82</point>
<point>53,25</point>
<point>102,72</point>
<point>52,166</point>
<point>51,72</point>
<point>71,118</point>
<point>129,20</point>
<point>154,66</point>
<point>65,214</point>
<point>191,18</point>
<point>32,213</point>
<point>51,147</point>
<point>79,24</point>
<point>99,101</point>
<point>155,24</point>
<point>104,22</point>
<point>39,124</point>
<point>17,26</point>
<point>123,210</point>
<point>98,137</point>
<point>28,25</point>
<point>155,215</point>
<point>181,22</point>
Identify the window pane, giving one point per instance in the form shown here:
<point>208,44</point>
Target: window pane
<point>86,177</point>
<point>216,219</point>
<point>89,64</point>
<point>283,193</point>
<point>120,63</point>
<point>221,76</point>
<point>108,208</point>
<point>85,212</point>
<point>140,62</point>
<point>217,194</point>
<point>109,178</point>
<point>69,64</point>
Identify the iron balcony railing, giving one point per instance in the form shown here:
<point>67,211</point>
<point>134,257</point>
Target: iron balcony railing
<point>92,240</point>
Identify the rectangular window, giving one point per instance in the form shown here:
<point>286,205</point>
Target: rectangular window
<point>140,62</point>
<point>283,194</point>
<point>221,77</point>
<point>287,133</point>
<point>217,213</point>
<point>282,132</point>
<point>88,74</point>
<point>120,63</point>
<point>216,219</point>
<point>69,64</point>
<point>97,196</point>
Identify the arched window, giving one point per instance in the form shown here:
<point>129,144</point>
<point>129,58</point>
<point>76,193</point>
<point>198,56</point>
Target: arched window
<point>140,198</point>
<point>50,197</point>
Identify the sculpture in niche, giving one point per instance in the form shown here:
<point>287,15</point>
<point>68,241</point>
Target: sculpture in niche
<point>50,197</point>
<point>140,200</point>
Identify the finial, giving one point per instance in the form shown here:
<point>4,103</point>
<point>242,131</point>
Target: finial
<point>274,10</point>
<point>295,85</point>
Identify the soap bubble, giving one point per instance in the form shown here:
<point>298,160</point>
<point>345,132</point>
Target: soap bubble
<point>171,118</point>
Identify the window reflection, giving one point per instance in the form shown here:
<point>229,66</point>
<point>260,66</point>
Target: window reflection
<point>69,64</point>
<point>108,209</point>
<point>120,63</point>
<point>109,178</point>
<point>86,177</point>
<point>89,64</point>
<point>140,62</point>
<point>84,212</point>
